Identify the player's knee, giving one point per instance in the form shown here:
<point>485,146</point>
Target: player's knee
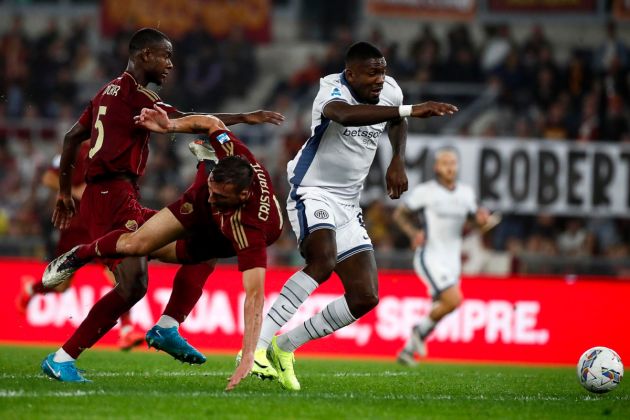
<point>133,286</point>
<point>133,246</point>
<point>452,301</point>
<point>136,291</point>
<point>360,304</point>
<point>320,267</point>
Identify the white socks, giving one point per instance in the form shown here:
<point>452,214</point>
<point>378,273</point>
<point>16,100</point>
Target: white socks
<point>425,326</point>
<point>61,356</point>
<point>294,292</point>
<point>334,316</point>
<point>166,321</point>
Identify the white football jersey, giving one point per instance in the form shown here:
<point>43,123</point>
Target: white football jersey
<point>338,158</point>
<point>445,212</point>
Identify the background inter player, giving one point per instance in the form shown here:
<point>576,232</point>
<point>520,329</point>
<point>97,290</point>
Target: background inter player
<point>446,205</point>
<point>351,111</point>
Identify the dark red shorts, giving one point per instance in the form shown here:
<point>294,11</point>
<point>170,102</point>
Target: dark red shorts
<point>111,205</point>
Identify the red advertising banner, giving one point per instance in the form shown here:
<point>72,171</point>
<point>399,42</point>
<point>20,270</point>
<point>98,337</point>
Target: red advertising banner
<point>217,17</point>
<point>524,320</point>
<point>542,6</point>
<point>425,9</point>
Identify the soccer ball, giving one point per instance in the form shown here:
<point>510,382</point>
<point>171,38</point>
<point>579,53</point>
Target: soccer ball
<point>600,370</point>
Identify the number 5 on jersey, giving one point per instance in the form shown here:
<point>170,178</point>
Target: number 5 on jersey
<point>102,110</point>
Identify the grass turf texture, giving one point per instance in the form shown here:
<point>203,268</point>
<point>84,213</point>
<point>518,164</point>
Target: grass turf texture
<point>153,385</point>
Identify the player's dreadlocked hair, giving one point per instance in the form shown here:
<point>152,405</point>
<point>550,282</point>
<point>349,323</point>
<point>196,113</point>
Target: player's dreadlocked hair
<point>144,38</point>
<point>361,51</point>
<point>234,170</point>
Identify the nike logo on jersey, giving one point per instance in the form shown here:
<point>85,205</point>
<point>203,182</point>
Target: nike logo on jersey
<point>104,192</point>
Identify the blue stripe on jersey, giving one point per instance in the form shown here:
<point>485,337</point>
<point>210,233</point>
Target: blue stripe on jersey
<point>308,153</point>
<point>429,277</point>
<point>344,81</point>
<point>355,250</point>
<point>299,206</point>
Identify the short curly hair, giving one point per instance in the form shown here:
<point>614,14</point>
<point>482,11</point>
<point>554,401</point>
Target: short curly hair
<point>233,170</point>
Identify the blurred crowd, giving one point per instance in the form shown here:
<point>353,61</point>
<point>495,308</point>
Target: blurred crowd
<point>51,76</point>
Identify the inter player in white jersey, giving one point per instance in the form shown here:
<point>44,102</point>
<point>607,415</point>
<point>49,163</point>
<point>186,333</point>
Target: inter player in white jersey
<point>351,111</point>
<point>446,206</point>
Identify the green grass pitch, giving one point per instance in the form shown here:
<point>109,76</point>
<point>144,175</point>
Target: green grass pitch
<point>152,385</point>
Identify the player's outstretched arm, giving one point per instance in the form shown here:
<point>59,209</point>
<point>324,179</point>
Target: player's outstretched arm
<point>355,115</point>
<point>395,177</point>
<point>157,120</point>
<point>254,285</point>
<point>403,218</point>
<point>64,207</point>
<point>260,116</point>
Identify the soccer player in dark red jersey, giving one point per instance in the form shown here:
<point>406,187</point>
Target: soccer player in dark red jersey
<point>230,209</point>
<point>117,158</point>
<point>76,233</point>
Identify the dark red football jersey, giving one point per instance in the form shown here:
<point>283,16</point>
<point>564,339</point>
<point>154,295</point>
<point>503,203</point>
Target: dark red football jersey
<point>251,227</point>
<point>117,144</point>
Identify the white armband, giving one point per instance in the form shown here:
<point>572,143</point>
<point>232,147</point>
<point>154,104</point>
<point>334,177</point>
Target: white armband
<point>404,110</point>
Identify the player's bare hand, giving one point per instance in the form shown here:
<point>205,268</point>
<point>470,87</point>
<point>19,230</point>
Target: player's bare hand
<point>418,239</point>
<point>64,211</point>
<point>396,178</point>
<point>486,220</point>
<point>241,372</point>
<point>432,109</point>
<point>262,116</point>
<point>482,215</point>
<point>155,119</point>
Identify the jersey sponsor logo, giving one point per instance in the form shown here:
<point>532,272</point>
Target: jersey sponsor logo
<point>186,208</point>
<point>321,214</point>
<point>223,138</point>
<point>336,93</point>
<point>371,134</point>
<point>367,136</point>
<point>131,225</point>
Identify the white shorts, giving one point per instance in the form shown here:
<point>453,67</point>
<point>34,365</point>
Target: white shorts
<point>311,209</point>
<point>435,274</point>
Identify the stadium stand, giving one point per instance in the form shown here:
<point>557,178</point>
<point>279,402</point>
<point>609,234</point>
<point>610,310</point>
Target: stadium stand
<point>530,86</point>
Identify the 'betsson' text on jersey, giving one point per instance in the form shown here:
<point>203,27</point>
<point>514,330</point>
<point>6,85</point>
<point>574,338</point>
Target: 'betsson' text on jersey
<point>370,136</point>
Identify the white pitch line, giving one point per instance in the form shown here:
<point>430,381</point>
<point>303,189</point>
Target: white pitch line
<point>209,373</point>
<point>8,393</point>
